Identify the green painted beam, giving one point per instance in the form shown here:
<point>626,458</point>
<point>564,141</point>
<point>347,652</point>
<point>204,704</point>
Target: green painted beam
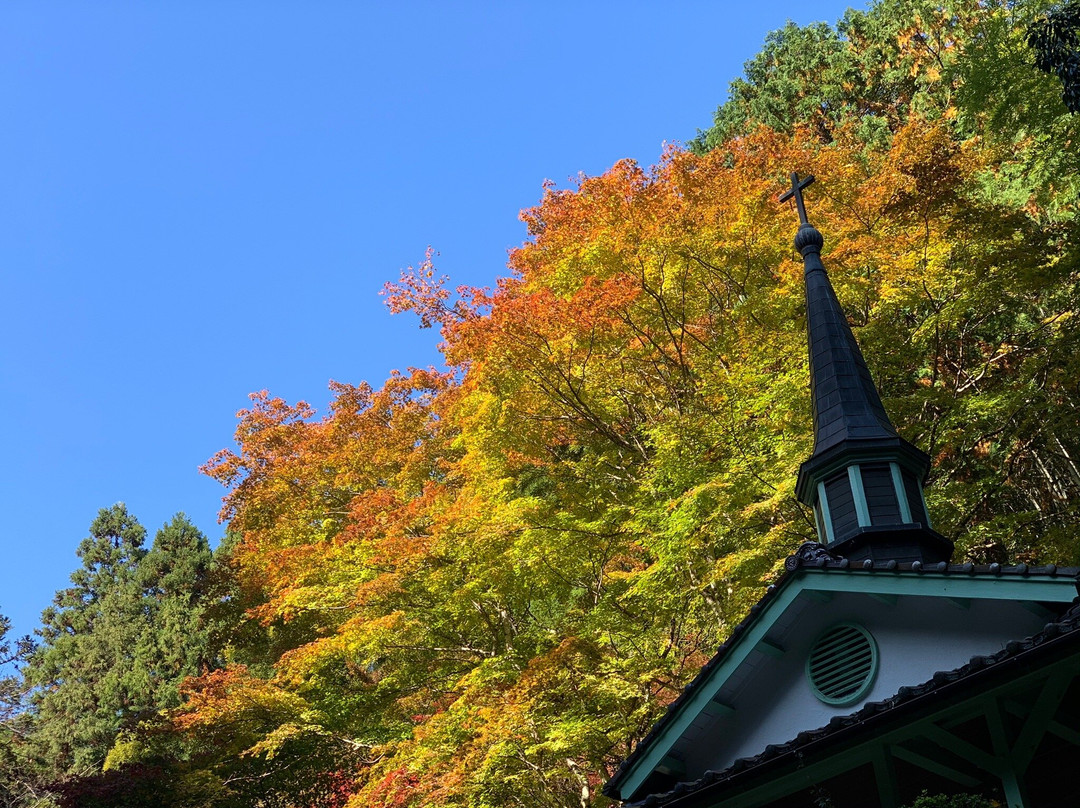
<point>797,780</point>
<point>1038,719</point>
<point>770,648</point>
<point>672,765</point>
<point>1067,734</point>
<point>999,734</point>
<point>887,599</point>
<point>934,767</point>
<point>885,777</point>
<point>715,707</point>
<point>812,771</point>
<point>934,584</point>
<point>1015,790</point>
<point>961,748</point>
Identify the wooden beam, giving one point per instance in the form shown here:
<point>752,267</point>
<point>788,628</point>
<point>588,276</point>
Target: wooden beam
<point>968,751</point>
<point>885,776</point>
<point>671,765</point>
<point>1067,734</point>
<point>1039,717</point>
<point>934,767</point>
<point>1015,790</point>
<point>1038,609</point>
<point>717,707</point>
<point>770,648</point>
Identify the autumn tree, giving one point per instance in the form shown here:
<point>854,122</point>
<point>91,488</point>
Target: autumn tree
<point>481,586</point>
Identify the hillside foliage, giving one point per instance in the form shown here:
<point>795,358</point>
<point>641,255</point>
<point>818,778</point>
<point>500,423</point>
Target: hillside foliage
<point>480,585</point>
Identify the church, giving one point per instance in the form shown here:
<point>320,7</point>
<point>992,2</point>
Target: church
<point>874,669</point>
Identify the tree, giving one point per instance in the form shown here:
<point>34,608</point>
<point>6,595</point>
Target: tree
<point>20,784</point>
<point>116,645</point>
<point>88,684</point>
<point>174,579</point>
<point>1055,38</point>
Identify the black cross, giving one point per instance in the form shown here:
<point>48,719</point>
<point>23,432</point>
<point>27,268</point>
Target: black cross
<point>797,186</point>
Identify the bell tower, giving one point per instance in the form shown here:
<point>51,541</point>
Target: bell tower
<point>862,479</point>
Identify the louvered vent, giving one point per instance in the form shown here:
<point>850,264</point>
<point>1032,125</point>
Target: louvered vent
<point>842,664</point>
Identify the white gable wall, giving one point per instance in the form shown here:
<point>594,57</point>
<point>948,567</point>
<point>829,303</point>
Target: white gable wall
<point>916,637</point>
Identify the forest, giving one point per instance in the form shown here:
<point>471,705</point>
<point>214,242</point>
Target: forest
<point>479,585</point>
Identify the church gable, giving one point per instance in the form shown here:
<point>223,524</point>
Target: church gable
<point>829,639</point>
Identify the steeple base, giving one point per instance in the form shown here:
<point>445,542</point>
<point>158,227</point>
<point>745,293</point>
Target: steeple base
<point>900,543</point>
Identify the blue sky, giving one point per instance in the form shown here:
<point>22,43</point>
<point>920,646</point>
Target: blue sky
<point>201,200</point>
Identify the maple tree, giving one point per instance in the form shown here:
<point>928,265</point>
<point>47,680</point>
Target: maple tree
<point>486,582</point>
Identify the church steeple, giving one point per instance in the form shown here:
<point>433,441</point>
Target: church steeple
<point>863,480</point>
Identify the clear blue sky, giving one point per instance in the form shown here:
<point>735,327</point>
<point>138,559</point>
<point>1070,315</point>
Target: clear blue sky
<point>199,200</point>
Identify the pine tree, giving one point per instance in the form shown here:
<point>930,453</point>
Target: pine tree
<point>116,645</point>
<point>174,578</point>
<point>89,686</point>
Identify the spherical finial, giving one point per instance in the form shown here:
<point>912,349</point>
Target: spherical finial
<point>808,239</point>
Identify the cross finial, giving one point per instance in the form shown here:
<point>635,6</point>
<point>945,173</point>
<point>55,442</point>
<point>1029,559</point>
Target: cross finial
<point>796,190</point>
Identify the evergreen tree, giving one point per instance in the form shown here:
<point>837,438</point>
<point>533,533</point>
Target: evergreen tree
<point>88,684</point>
<point>116,644</point>
<point>174,578</point>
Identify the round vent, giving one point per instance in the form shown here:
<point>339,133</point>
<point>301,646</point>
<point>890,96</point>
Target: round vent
<point>842,664</point>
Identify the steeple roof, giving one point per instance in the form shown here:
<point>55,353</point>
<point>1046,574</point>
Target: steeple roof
<point>847,406</point>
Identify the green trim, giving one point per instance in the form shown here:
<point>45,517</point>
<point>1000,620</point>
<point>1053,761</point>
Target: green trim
<point>708,689</point>
<point>824,514</point>
<point>847,458</point>
<point>968,751</point>
<point>940,585</point>
<point>901,493</point>
<point>1041,714</point>
<point>1065,733</point>
<point>854,473</point>
<point>925,510</point>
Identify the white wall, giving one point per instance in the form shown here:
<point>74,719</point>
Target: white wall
<point>916,637</point>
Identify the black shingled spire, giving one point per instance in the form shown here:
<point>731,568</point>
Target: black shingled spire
<point>846,402</point>
<point>863,480</point>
